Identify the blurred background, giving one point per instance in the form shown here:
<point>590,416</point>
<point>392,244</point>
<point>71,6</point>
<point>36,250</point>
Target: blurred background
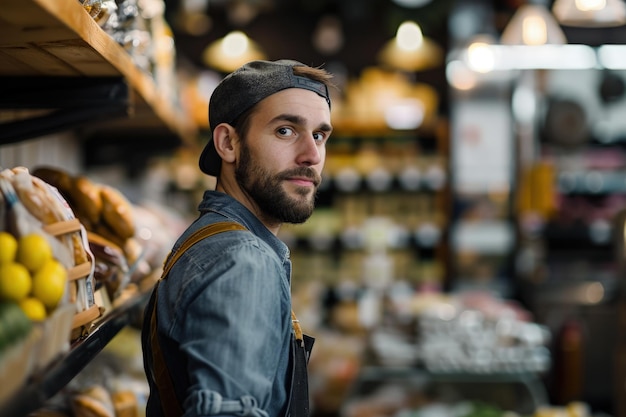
<point>466,256</point>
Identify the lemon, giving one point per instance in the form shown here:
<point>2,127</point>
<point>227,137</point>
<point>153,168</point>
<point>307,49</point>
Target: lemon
<point>49,283</point>
<point>15,281</point>
<point>33,308</point>
<point>33,250</point>
<point>8,247</point>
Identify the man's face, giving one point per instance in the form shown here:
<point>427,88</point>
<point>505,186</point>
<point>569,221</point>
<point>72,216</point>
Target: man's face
<point>282,157</point>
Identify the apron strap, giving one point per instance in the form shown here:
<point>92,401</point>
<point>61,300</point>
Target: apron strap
<point>194,238</point>
<point>167,395</point>
<point>169,401</point>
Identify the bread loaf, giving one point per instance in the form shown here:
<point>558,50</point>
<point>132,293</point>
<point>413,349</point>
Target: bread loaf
<point>55,177</point>
<point>93,402</point>
<point>117,212</point>
<point>125,404</point>
<point>86,195</point>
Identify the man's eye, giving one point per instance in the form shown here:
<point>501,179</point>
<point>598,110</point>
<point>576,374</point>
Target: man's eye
<point>319,136</point>
<point>285,131</point>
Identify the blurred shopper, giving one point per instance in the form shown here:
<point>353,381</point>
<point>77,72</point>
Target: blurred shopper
<point>219,334</point>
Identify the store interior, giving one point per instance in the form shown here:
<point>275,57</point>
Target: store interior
<point>466,253</point>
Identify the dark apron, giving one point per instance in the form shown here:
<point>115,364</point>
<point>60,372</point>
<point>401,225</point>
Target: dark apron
<point>300,351</point>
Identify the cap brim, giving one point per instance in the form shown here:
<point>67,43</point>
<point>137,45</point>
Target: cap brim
<point>210,161</point>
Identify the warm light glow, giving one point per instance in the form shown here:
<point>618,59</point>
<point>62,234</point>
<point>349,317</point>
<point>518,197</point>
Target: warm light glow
<point>409,50</point>
<point>593,293</point>
<point>235,44</point>
<point>232,51</point>
<point>590,13</point>
<point>590,5</point>
<point>532,24</point>
<point>480,57</point>
<point>409,36</point>
<point>534,31</point>
<point>460,76</point>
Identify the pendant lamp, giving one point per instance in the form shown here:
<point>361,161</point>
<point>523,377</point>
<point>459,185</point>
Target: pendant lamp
<point>409,50</point>
<point>232,51</point>
<point>590,13</point>
<point>533,24</point>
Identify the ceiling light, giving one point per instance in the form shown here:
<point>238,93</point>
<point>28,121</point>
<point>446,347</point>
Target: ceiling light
<point>480,57</point>
<point>590,13</point>
<point>409,50</point>
<point>231,52</point>
<point>409,36</point>
<point>532,24</point>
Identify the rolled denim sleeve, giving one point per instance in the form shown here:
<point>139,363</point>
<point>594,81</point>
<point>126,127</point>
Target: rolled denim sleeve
<point>233,328</point>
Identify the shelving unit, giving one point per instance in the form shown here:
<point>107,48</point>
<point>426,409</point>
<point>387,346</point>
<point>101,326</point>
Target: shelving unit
<point>59,70</point>
<point>45,385</point>
<point>523,391</point>
<point>52,42</point>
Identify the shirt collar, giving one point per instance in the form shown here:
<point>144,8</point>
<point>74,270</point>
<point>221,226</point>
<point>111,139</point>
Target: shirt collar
<point>227,206</point>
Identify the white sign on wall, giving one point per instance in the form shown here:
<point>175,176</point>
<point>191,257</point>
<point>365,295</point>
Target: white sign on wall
<point>482,146</point>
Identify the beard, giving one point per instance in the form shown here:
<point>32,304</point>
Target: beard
<point>268,192</point>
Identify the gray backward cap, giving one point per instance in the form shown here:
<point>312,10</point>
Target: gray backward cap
<point>245,87</point>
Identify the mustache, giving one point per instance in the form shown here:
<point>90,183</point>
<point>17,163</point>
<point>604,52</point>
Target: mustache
<point>305,172</point>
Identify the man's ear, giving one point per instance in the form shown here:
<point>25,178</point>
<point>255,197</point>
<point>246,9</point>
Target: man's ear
<point>225,141</point>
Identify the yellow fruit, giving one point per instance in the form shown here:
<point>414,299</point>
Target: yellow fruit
<point>33,250</point>
<point>33,308</point>
<point>15,281</point>
<point>49,283</point>
<point>8,247</point>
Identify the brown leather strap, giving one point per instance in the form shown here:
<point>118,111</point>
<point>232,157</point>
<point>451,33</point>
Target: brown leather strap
<point>169,402</point>
<point>195,237</point>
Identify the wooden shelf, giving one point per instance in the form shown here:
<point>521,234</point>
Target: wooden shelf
<point>42,38</point>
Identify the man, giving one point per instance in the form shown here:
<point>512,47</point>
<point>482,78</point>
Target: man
<point>222,315</point>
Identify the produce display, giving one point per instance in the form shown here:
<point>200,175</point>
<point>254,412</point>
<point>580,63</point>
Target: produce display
<point>67,249</point>
<point>30,276</point>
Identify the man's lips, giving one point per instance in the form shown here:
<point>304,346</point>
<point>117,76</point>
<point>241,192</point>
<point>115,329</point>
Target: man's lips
<point>303,181</point>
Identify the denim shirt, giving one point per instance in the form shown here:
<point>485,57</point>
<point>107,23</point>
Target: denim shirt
<point>224,319</point>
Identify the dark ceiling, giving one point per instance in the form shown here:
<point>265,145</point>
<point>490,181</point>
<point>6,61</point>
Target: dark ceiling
<point>283,29</point>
